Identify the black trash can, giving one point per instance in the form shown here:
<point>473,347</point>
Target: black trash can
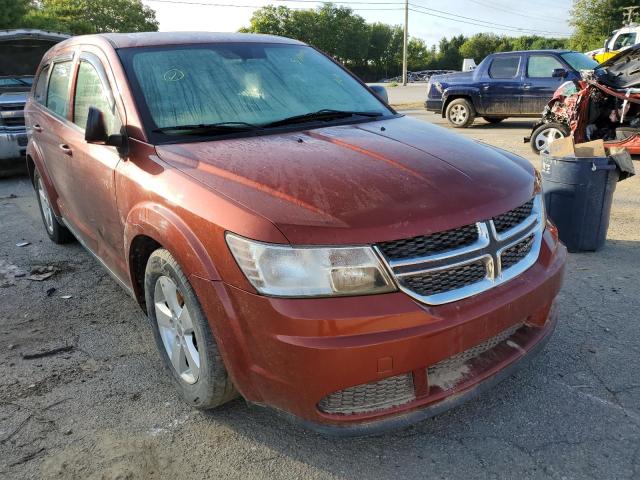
<point>578,194</point>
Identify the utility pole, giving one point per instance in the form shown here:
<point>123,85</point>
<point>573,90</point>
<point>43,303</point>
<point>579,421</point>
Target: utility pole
<point>629,14</point>
<point>405,43</point>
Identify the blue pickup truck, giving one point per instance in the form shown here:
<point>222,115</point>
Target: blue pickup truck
<point>507,84</point>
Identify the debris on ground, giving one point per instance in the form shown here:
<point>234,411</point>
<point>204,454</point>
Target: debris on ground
<point>22,244</point>
<point>40,273</point>
<point>66,297</point>
<point>8,273</point>
<point>51,291</point>
<point>47,353</point>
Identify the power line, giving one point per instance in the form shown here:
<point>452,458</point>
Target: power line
<point>206,4</point>
<point>474,21</point>
<point>513,12</point>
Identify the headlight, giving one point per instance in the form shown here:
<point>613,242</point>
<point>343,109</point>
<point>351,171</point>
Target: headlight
<point>286,271</point>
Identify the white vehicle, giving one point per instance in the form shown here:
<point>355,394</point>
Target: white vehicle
<point>619,40</point>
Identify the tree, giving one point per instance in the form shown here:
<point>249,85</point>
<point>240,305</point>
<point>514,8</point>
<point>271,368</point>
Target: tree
<point>12,12</point>
<point>482,44</point>
<point>91,16</point>
<point>594,20</point>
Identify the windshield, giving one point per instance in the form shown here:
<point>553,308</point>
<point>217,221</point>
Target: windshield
<point>16,81</point>
<point>244,83</point>
<point>579,61</point>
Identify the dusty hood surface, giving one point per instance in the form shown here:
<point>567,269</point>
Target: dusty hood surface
<point>22,50</point>
<point>623,70</point>
<point>360,183</point>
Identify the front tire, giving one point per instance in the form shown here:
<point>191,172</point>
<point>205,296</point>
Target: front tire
<point>56,231</point>
<point>460,113</point>
<point>547,133</point>
<point>183,336</point>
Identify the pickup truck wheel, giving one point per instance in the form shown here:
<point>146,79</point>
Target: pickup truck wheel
<point>543,136</point>
<point>183,336</point>
<point>494,119</point>
<point>460,113</point>
<point>56,231</point>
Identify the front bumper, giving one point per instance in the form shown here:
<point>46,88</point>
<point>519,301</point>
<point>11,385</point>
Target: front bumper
<point>290,354</point>
<point>433,105</point>
<point>13,144</point>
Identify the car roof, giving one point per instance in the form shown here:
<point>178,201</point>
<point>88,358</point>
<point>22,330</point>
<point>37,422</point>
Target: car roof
<point>150,39</point>
<point>557,50</point>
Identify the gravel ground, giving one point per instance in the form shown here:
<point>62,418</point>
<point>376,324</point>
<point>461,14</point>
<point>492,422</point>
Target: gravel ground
<point>104,409</point>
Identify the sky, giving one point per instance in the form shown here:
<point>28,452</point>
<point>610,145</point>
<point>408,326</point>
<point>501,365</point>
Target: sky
<point>544,17</point>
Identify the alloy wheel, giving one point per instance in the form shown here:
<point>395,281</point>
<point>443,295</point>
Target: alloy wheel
<point>458,114</point>
<point>47,213</point>
<point>545,138</point>
<point>176,329</point>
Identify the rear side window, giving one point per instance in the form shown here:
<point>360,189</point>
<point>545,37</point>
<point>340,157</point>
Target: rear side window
<point>504,67</point>
<point>41,86</point>
<point>90,92</point>
<point>542,66</point>
<point>58,92</point>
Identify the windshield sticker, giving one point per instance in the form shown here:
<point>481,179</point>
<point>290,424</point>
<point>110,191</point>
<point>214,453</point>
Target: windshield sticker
<point>173,75</point>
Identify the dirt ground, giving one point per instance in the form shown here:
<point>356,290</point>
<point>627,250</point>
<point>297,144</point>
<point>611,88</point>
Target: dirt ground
<point>102,407</point>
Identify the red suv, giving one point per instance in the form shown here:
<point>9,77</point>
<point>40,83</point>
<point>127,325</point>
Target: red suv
<point>290,236</point>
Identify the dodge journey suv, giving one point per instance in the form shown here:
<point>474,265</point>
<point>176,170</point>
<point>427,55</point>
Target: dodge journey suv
<point>291,238</point>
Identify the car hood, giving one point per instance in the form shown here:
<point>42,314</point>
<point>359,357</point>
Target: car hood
<point>21,50</point>
<point>623,70</point>
<point>359,183</point>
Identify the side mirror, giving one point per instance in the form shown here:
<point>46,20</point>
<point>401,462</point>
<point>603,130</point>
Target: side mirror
<point>380,92</point>
<point>559,73</point>
<point>96,131</point>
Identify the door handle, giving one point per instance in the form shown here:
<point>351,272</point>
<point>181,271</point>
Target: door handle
<point>527,86</point>
<point>37,127</point>
<point>485,87</point>
<point>66,149</point>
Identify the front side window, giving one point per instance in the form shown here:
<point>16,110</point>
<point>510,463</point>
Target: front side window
<point>58,92</point>
<point>90,92</point>
<point>504,67</point>
<point>41,86</point>
<point>247,82</point>
<point>542,66</point>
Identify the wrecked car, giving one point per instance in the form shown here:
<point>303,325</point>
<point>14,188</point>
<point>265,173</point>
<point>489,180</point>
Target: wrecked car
<point>291,238</point>
<point>604,104</point>
<point>20,54</point>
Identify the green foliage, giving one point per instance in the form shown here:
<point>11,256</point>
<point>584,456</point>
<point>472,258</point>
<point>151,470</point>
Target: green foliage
<point>82,16</point>
<point>594,20</point>
<point>374,50</point>
<point>12,11</point>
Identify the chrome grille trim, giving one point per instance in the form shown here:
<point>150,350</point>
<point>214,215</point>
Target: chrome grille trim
<point>488,248</point>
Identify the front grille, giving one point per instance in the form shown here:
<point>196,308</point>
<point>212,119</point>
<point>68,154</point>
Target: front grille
<point>436,268</point>
<point>370,397</point>
<point>513,255</point>
<point>451,371</point>
<point>445,280</point>
<point>14,122</point>
<point>22,141</point>
<point>514,217</point>
<point>430,244</point>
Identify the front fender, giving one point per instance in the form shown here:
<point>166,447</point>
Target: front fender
<point>168,229</point>
<point>34,152</point>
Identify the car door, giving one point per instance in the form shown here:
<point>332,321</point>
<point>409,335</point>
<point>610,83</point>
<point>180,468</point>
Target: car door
<point>501,91</point>
<point>96,221</point>
<point>49,123</point>
<point>540,84</point>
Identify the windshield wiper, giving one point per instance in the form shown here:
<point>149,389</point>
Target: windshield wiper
<point>324,114</point>
<point>209,128</point>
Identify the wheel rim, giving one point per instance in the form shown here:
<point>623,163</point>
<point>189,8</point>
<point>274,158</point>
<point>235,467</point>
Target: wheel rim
<point>47,213</point>
<point>176,329</point>
<point>458,114</point>
<point>545,138</point>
